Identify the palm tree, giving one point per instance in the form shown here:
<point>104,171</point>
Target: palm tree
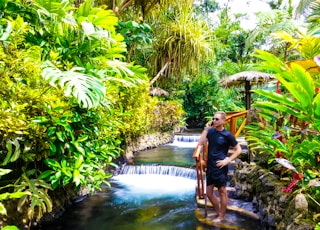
<point>272,22</point>
<point>182,42</point>
<point>303,8</point>
<point>314,16</point>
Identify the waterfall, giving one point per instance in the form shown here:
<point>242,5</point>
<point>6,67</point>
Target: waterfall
<point>185,141</point>
<point>187,138</point>
<point>159,170</point>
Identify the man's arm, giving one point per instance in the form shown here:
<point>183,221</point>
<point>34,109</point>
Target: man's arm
<point>202,141</point>
<point>227,160</point>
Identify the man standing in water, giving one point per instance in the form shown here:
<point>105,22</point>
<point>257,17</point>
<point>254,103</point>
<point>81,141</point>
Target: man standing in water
<point>219,141</point>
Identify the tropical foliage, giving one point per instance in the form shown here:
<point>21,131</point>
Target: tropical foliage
<point>68,102</point>
<point>182,40</point>
<point>291,125</point>
<point>200,98</point>
<point>288,131</point>
<point>75,84</point>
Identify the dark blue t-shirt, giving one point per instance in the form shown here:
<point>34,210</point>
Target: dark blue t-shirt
<point>219,143</point>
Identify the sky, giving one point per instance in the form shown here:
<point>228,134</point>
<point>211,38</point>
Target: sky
<point>247,6</point>
<point>242,6</point>
<point>250,7</point>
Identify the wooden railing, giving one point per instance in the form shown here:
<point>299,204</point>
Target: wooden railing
<point>232,120</point>
<point>200,170</point>
<point>200,158</point>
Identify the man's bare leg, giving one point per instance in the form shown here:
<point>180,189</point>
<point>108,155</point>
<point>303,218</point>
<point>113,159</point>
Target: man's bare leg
<point>223,203</point>
<point>213,199</point>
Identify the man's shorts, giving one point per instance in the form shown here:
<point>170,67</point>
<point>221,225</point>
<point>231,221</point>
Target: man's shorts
<point>217,177</point>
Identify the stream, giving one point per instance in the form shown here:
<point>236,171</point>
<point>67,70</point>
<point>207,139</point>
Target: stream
<point>157,192</point>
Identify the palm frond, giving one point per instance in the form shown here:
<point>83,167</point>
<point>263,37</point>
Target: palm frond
<point>313,17</point>
<point>303,8</point>
<point>183,40</point>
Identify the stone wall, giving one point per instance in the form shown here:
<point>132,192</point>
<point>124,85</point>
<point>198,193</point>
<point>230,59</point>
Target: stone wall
<point>276,209</point>
<point>147,141</point>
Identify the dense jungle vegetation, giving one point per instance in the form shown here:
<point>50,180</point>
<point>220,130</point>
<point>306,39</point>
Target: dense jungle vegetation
<point>77,76</point>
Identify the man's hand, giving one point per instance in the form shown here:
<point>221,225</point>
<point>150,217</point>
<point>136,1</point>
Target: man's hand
<point>209,125</point>
<point>224,162</point>
<point>204,165</point>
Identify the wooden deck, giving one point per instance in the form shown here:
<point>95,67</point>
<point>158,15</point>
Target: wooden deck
<point>207,220</point>
<point>241,211</point>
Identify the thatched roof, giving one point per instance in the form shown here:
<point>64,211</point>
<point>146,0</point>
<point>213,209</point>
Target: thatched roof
<point>155,91</point>
<point>240,79</point>
<point>246,79</point>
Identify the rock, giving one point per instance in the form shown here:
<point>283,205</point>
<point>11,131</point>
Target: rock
<point>301,203</point>
<point>147,141</point>
<point>300,226</point>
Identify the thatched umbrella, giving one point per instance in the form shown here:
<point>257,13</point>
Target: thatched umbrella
<point>246,78</point>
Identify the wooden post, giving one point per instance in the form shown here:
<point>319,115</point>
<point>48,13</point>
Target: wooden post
<point>200,182</point>
<point>248,95</point>
<point>233,125</point>
<point>200,170</point>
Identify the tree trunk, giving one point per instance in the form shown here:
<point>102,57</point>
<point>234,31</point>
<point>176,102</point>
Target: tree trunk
<point>159,73</point>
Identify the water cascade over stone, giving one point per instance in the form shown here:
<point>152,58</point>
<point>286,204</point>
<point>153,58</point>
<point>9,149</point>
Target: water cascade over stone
<point>159,170</point>
<point>187,138</point>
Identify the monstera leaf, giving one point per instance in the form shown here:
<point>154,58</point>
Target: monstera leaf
<point>87,89</point>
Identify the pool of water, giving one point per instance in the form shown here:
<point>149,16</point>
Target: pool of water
<point>176,153</point>
<point>147,201</point>
<point>142,202</point>
<point>130,204</point>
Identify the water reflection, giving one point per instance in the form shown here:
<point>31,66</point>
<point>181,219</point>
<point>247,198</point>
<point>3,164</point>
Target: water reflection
<point>176,153</point>
<point>135,202</point>
<point>142,202</point>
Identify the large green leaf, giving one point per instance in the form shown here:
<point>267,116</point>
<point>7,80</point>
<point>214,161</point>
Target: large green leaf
<point>88,90</point>
<point>300,86</point>
<point>103,18</point>
<point>277,107</point>
<point>51,9</point>
<point>299,94</point>
<point>127,74</point>
<point>316,104</point>
<point>52,163</point>
<point>304,79</point>
<point>270,61</point>
<point>84,8</point>
<point>279,98</point>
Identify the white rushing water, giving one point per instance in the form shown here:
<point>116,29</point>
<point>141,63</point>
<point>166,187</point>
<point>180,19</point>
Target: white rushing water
<point>185,141</point>
<point>136,188</point>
